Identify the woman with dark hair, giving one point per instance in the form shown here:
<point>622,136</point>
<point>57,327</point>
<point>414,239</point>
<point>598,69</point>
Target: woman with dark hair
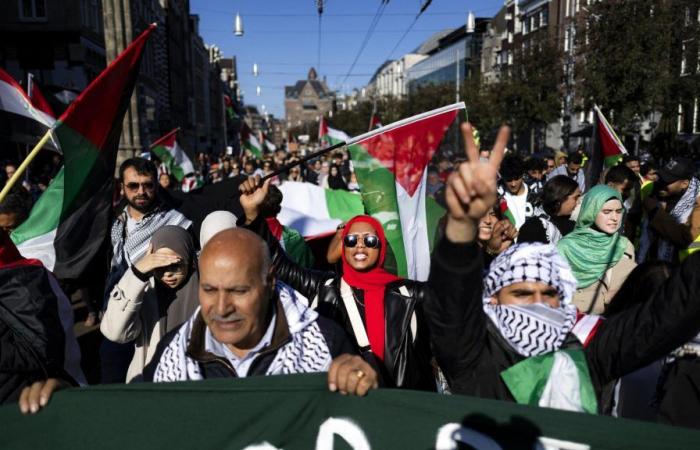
<point>552,220</point>
<point>335,179</point>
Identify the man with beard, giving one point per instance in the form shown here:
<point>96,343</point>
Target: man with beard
<point>140,214</point>
<point>672,221</point>
<point>519,337</point>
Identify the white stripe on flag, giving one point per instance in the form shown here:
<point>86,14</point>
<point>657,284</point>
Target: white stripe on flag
<point>182,160</point>
<point>41,248</point>
<point>304,208</point>
<point>13,101</point>
<point>414,230</point>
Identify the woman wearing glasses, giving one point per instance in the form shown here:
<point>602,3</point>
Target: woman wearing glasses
<point>380,311</point>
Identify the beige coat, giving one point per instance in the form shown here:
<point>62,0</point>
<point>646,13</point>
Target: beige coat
<point>132,316</point>
<point>595,298</point>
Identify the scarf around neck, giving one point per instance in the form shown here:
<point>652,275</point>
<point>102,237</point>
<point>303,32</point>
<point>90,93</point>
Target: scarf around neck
<point>590,252</point>
<point>535,329</point>
<point>372,282</point>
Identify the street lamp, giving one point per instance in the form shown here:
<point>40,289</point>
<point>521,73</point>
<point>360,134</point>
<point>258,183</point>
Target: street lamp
<point>471,22</point>
<point>255,70</point>
<point>238,25</point>
<point>258,91</point>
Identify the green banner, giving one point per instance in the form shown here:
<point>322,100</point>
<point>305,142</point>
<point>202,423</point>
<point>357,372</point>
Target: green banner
<point>298,412</point>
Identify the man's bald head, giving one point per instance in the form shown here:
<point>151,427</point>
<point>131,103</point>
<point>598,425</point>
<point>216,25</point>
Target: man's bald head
<point>236,288</point>
<point>238,248</point>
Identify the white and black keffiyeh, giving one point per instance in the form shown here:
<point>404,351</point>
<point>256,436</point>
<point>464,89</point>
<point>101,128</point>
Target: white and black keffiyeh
<point>681,212</point>
<point>134,245</point>
<point>306,352</point>
<point>531,329</point>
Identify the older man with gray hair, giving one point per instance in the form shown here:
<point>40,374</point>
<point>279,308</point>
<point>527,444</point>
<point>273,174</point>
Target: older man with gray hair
<point>248,324</point>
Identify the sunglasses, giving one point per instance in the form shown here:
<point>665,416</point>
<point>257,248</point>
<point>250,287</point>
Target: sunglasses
<point>369,240</point>
<point>133,186</point>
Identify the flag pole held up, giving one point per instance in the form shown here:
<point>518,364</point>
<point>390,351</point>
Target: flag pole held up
<point>285,168</point>
<point>28,160</point>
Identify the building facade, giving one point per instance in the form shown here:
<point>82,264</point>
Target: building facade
<point>60,43</point>
<point>307,100</point>
<point>450,58</point>
<point>144,121</point>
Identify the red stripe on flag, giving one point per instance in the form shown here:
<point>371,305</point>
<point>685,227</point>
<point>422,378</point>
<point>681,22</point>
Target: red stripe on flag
<point>7,78</point>
<point>406,150</point>
<point>39,101</point>
<point>168,140</point>
<point>92,114</point>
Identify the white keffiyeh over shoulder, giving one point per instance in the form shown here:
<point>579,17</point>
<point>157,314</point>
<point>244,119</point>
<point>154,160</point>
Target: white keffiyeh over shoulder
<point>306,352</point>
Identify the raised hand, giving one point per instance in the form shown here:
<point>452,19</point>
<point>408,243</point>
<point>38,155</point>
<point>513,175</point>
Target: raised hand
<point>504,233</point>
<point>153,260</point>
<point>253,193</point>
<point>471,189</point>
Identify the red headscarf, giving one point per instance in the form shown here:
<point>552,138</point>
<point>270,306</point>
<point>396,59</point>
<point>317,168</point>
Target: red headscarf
<point>372,282</point>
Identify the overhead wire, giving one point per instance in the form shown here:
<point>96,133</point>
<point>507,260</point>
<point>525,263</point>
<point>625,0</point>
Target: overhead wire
<point>368,35</point>
<point>403,36</point>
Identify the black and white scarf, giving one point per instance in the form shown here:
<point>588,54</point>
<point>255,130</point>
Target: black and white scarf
<point>306,352</point>
<point>681,212</point>
<point>531,329</point>
<point>130,247</point>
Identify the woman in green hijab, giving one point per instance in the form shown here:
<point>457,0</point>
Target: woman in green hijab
<point>600,257</point>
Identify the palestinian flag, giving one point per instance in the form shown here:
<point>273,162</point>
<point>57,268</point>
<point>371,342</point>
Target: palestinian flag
<point>250,142</point>
<point>330,136</point>
<point>506,213</point>
<point>314,211</point>
<point>172,155</point>
<point>20,119</point>
<point>230,110</point>
<point>267,146</point>
<point>556,380</point>
<point>606,149</point>
<point>292,242</point>
<point>38,99</point>
<point>70,221</point>
<point>391,168</point>
<point>374,122</point>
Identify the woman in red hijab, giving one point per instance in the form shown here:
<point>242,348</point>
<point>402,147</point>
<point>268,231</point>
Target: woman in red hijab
<point>381,312</point>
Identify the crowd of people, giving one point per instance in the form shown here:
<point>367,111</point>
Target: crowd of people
<point>543,289</point>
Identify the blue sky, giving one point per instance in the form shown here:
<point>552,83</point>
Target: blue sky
<point>281,36</point>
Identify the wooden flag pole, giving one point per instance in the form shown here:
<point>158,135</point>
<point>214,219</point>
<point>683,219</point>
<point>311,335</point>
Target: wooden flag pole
<point>20,170</point>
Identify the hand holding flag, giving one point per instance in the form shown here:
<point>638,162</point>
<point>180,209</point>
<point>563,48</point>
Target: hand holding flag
<point>471,189</point>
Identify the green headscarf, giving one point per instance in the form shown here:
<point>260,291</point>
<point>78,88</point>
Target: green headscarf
<point>591,252</point>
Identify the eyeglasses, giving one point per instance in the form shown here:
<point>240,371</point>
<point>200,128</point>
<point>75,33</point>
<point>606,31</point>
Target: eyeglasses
<point>369,240</point>
<point>133,186</point>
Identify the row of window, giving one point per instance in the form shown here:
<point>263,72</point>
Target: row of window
<point>535,21</point>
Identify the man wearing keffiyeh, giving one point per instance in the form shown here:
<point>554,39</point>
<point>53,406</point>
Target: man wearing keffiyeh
<point>515,334</point>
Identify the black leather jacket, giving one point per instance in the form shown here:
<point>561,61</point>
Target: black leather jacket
<point>407,352</point>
